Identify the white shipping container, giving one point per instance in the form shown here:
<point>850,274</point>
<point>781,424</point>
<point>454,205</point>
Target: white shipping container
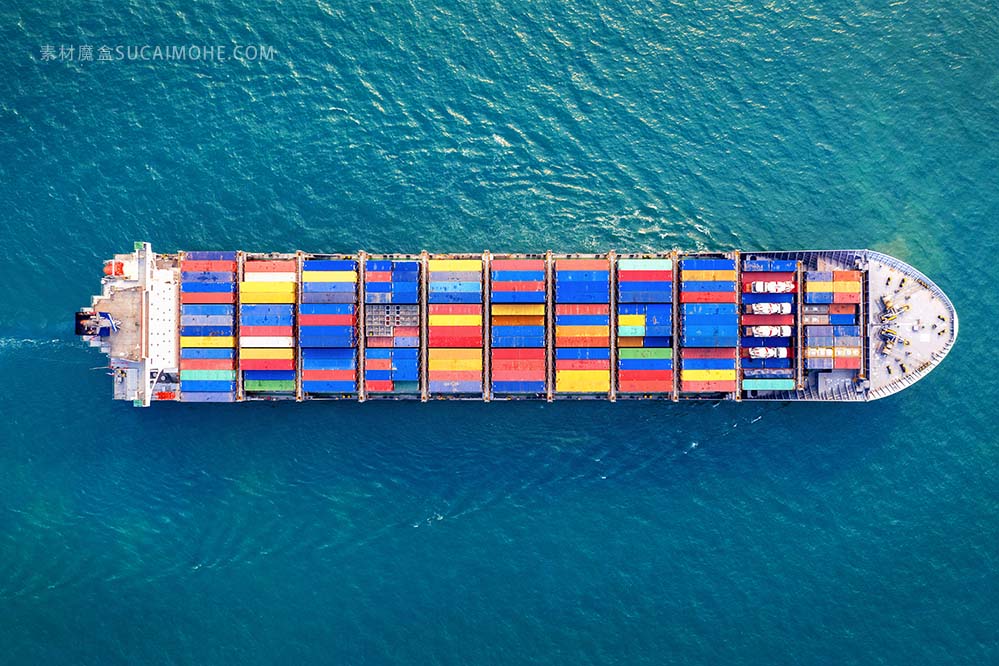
<point>269,277</point>
<point>267,341</point>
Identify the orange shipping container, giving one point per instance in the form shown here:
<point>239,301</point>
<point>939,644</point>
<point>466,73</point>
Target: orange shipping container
<point>581,342</point>
<point>582,264</point>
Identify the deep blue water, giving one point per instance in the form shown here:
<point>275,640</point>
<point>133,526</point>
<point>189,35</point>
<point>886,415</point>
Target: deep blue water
<point>500,533</point>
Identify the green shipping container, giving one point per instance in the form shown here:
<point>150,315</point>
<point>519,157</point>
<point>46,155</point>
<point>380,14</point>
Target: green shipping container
<point>218,375</point>
<point>644,352</point>
<point>270,385</point>
<point>767,384</point>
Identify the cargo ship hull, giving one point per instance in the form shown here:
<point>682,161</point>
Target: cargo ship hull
<point>227,326</point>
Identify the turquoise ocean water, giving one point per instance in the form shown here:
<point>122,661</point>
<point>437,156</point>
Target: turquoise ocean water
<point>502,533</point>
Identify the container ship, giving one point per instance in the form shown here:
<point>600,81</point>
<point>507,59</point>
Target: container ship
<point>224,326</point>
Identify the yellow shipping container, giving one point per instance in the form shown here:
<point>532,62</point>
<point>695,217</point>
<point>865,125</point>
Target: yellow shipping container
<point>223,341</point>
<point>519,309</point>
<point>819,286</point>
<point>455,265</point>
<point>631,320</point>
<point>846,287</point>
<point>455,353</point>
<point>709,276</point>
<point>267,297</point>
<point>455,364</point>
<point>707,375</point>
<point>582,381</point>
<point>818,352</point>
<point>455,320</point>
<point>581,331</point>
<point>329,276</point>
<point>275,287</point>
<point>267,354</point>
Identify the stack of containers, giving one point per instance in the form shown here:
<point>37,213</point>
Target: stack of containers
<point>327,326</point>
<point>455,326</point>
<point>645,325</point>
<point>207,322</point>
<point>517,301</point>
<point>833,347</point>
<point>833,340</point>
<point>266,325</point>
<point>582,325</point>
<point>392,326</point>
<point>709,325</point>
<point>833,287</point>
<point>768,374</point>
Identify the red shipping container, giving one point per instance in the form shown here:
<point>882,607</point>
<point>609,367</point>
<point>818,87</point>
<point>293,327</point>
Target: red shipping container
<point>455,308</point>
<point>579,308</point>
<point>327,320</point>
<point>767,277</point>
<point>708,297</point>
<point>842,308</point>
<point>644,276</point>
<point>518,363</point>
<point>846,297</point>
<point>527,366</point>
<point>708,352</point>
<point>166,395</point>
<point>707,387</point>
<point>406,331</point>
<point>379,385</point>
<point>517,264</point>
<point>582,264</point>
<point>207,364</point>
<point>263,331</point>
<point>645,387</point>
<point>582,364</point>
<point>847,363</point>
<point>527,371</point>
<point>645,375</point>
<point>767,320</point>
<point>189,297</point>
<point>455,376</point>
<point>378,364</point>
<point>266,364</point>
<point>208,266</point>
<point>378,342</point>
<point>378,276</point>
<point>601,342</point>
<point>256,266</point>
<point>518,376</point>
<point>455,342</point>
<point>518,286</point>
<point>328,375</point>
<point>502,353</point>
